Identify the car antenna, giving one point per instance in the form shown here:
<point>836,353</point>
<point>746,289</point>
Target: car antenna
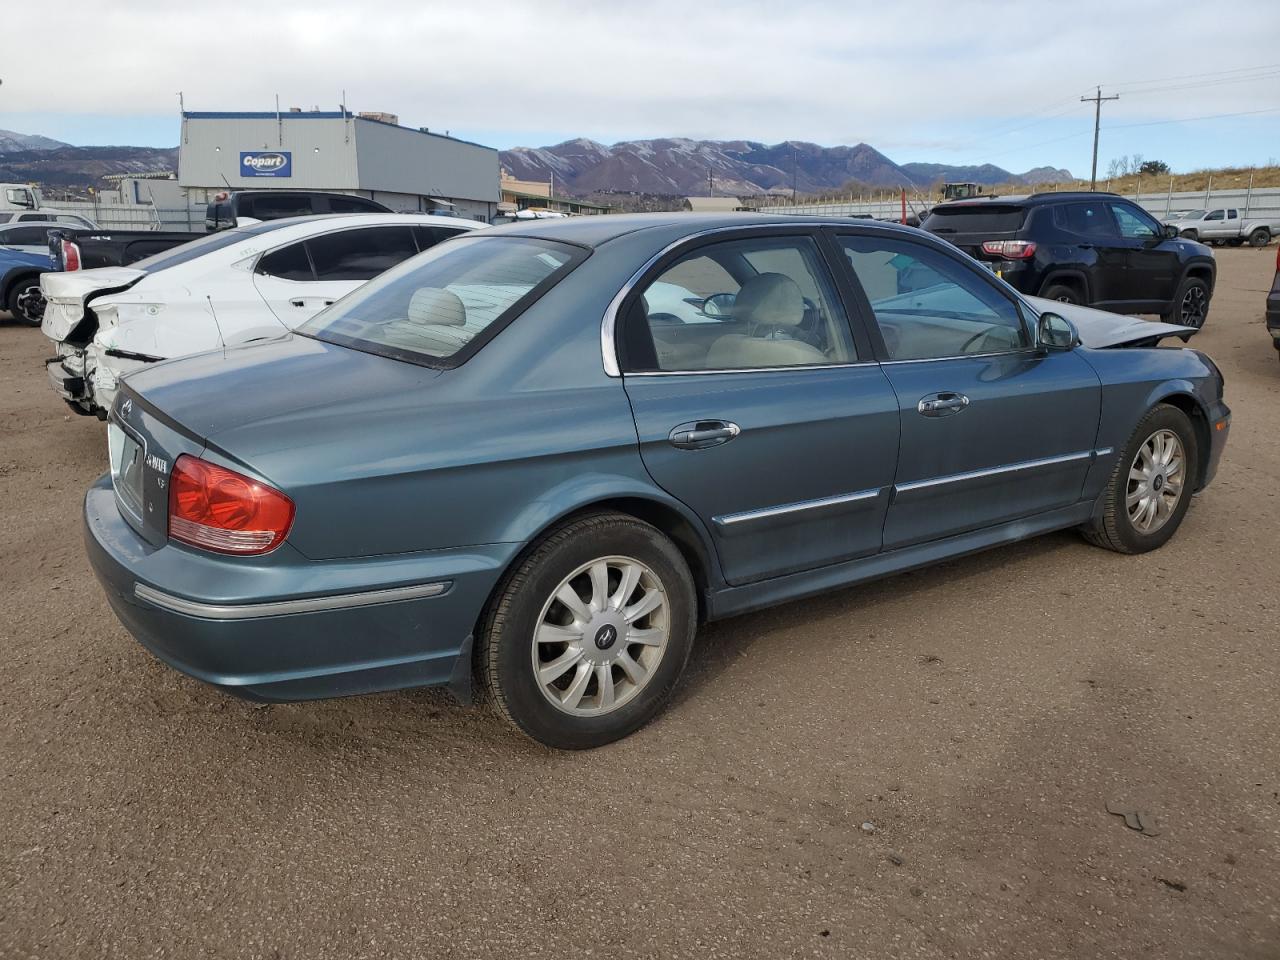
<point>221,339</point>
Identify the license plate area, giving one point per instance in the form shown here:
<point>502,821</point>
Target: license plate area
<point>128,455</point>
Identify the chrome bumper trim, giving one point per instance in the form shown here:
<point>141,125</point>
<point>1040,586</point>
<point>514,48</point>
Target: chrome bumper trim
<point>280,608</point>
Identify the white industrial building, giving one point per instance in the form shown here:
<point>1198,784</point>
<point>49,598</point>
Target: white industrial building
<point>369,155</point>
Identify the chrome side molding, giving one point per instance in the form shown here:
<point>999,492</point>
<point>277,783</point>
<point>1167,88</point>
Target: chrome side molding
<point>280,608</point>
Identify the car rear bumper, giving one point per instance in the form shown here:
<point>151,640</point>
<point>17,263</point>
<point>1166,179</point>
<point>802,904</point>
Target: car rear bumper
<point>1273,311</point>
<point>406,622</point>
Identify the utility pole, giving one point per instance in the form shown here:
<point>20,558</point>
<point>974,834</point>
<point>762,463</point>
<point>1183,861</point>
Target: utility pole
<point>711,183</point>
<point>1096,100</point>
<point>794,162</point>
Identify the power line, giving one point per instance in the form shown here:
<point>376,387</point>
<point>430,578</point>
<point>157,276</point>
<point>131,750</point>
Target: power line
<point>1211,116</point>
<point>1193,76</point>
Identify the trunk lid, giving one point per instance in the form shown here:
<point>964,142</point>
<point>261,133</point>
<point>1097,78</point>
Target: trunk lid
<point>967,224</point>
<point>67,295</point>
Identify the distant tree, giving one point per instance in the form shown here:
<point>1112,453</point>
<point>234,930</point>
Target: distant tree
<point>1113,168</point>
<point>1153,167</point>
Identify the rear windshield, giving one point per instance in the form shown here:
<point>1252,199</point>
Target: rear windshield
<point>441,306</point>
<point>208,244</point>
<point>975,218</point>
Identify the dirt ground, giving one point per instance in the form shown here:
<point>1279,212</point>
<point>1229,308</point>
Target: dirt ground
<point>980,715</point>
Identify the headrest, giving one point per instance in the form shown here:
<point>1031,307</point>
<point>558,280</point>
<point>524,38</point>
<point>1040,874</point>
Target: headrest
<point>771,299</point>
<point>440,307</point>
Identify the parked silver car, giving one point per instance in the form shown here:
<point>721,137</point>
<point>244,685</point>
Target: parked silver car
<point>1225,225</point>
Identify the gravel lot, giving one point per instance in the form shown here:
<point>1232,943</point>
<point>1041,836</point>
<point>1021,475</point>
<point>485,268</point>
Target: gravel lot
<point>981,715</point>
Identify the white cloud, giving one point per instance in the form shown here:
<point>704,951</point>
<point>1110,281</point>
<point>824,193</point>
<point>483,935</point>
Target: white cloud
<point>912,72</point>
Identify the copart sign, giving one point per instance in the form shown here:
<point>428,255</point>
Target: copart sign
<point>266,163</point>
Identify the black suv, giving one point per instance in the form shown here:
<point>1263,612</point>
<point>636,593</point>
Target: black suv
<point>1097,249</point>
<point>222,214</point>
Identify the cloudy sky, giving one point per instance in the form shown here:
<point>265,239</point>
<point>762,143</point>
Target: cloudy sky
<point>953,82</point>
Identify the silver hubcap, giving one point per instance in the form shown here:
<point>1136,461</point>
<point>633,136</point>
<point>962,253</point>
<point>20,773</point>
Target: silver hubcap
<point>1156,478</point>
<point>601,636</point>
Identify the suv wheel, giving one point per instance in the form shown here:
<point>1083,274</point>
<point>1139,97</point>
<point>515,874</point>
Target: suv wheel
<point>1062,293</point>
<point>1150,488</point>
<point>587,638</point>
<point>1189,235</point>
<point>1190,304</point>
<point>1260,237</point>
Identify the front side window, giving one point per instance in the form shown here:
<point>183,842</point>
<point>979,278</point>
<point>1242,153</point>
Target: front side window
<point>928,305</point>
<point>741,304</point>
<point>275,206</point>
<point>360,254</point>
<point>1133,224</point>
<point>443,305</point>
<point>1214,215</point>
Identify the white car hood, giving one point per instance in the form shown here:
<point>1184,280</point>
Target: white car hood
<point>67,294</point>
<point>1100,329</point>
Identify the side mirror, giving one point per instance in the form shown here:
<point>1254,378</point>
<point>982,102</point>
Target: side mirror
<point>1055,332</point>
<point>719,305</point>
<point>1170,231</point>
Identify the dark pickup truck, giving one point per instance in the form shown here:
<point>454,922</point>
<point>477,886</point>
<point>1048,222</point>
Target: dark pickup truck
<point>74,249</point>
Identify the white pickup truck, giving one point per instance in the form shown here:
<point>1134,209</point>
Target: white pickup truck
<point>1225,225</point>
<point>21,202</point>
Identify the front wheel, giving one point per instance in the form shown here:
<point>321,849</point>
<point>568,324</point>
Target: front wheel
<point>1150,488</point>
<point>589,634</point>
<point>1189,235</point>
<point>1062,293</point>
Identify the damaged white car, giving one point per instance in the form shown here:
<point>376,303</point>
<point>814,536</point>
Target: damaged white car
<point>228,288</point>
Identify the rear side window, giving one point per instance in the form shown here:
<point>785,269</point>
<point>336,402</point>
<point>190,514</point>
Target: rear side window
<point>27,236</point>
<point>360,254</point>
<point>354,205</point>
<point>287,263</point>
<point>441,307</point>
<point>975,218</point>
<point>429,236</point>
<point>1087,218</point>
<point>274,206</point>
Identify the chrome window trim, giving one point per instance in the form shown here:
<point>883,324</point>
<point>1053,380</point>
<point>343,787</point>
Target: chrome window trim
<point>721,370</point>
<point>279,608</point>
<point>728,520</point>
<point>1028,352</point>
<point>609,324</point>
<point>994,471</point>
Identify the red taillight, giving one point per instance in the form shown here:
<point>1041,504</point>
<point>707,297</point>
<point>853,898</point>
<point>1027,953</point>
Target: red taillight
<point>70,256</point>
<point>1010,249</point>
<point>218,509</point>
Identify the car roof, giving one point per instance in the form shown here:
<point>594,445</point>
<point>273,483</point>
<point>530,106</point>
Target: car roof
<point>594,231</point>
<point>1030,200</point>
<point>15,224</point>
<point>337,220</point>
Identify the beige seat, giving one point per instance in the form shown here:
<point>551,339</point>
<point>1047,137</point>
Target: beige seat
<point>438,307</point>
<point>768,304</point>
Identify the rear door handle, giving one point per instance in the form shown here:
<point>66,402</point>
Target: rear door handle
<point>700,434</point>
<point>310,302</point>
<point>942,404</point>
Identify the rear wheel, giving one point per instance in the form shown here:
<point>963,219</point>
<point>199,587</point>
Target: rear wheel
<point>1150,488</point>
<point>587,637</point>
<point>1260,237</point>
<point>26,302</point>
<point>1062,293</point>
<point>1190,304</point>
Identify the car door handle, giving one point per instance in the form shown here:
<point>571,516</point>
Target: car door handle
<point>700,434</point>
<point>304,302</point>
<point>942,404</point>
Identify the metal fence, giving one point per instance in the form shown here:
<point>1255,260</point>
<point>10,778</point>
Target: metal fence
<point>1262,202</point>
<point>135,216</point>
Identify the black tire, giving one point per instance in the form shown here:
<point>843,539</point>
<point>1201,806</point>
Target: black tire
<point>1189,235</point>
<point>1062,292</point>
<point>1190,307</point>
<point>1114,529</point>
<point>17,303</point>
<point>1260,237</point>
<point>505,651</point>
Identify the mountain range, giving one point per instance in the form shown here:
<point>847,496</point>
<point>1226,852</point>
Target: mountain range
<point>669,167</point>
<point>678,166</point>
